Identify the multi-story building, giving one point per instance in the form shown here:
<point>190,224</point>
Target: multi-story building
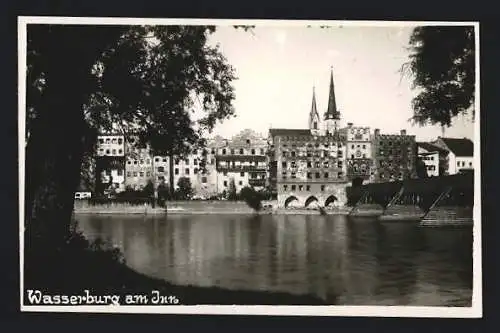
<point>359,152</point>
<point>309,165</point>
<point>395,156</point>
<point>110,162</point>
<point>460,154</point>
<point>433,157</point>
<point>242,160</point>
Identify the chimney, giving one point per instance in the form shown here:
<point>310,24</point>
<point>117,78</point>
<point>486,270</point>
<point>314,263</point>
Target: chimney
<point>376,131</point>
<point>403,132</point>
<point>349,125</point>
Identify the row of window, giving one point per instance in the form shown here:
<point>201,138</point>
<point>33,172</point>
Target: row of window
<point>111,141</point>
<point>317,164</point>
<point>317,175</point>
<point>241,151</point>
<point>316,145</point>
<point>427,158</point>
<point>301,187</point>
<point>463,164</point>
<point>110,151</point>
<point>310,154</point>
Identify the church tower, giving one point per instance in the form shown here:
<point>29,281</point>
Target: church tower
<point>332,115</point>
<point>314,121</point>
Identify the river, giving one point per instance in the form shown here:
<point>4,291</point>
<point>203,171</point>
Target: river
<point>343,261</point>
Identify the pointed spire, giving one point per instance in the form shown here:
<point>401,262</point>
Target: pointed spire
<point>314,110</point>
<point>332,112</point>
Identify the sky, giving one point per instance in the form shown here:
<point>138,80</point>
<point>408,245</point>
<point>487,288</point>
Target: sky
<point>278,66</point>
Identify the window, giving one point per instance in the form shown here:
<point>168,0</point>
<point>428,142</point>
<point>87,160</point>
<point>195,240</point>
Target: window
<point>293,154</point>
<point>242,174</point>
<point>364,146</point>
<point>309,175</point>
<point>232,151</point>
<point>315,125</point>
<point>470,164</point>
<point>316,164</point>
<point>195,171</point>
<point>107,151</point>
<point>283,164</point>
<point>177,162</point>
<point>186,161</point>
<point>458,163</point>
<point>164,159</point>
<point>285,187</point>
<point>203,180</point>
<point>352,156</point>
<point>308,187</point>
<point>309,164</point>
<point>157,159</point>
<point>108,141</point>
<point>339,164</point>
<point>101,141</point>
<point>161,169</point>
<point>240,183</point>
<point>148,174</point>
<point>142,162</point>
<point>223,151</point>
<point>129,174</point>
<point>284,154</point>
<point>325,164</point>
<point>113,141</point>
<point>317,175</point>
<point>301,187</point>
<point>294,187</point>
<point>120,172</point>
<point>262,151</point>
<point>129,162</point>
<point>253,151</point>
<point>135,162</point>
<point>195,161</point>
<point>187,171</point>
<point>364,155</point>
<point>326,174</point>
<point>120,151</point>
<point>248,141</point>
<point>352,146</point>
<point>161,178</point>
<point>225,173</point>
<point>176,171</point>
<point>322,188</point>
<point>242,151</point>
<point>120,141</point>
<point>225,183</point>
<point>135,173</point>
<point>141,174</point>
<point>294,175</point>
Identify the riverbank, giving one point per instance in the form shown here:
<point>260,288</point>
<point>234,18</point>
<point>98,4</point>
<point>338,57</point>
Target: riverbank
<point>197,208</point>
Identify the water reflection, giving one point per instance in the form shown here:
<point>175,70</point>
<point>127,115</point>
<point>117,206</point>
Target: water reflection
<point>358,262</point>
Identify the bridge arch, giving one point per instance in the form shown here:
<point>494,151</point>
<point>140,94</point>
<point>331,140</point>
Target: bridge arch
<point>310,200</point>
<point>330,199</point>
<point>290,199</point>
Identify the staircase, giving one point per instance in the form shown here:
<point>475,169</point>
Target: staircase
<point>402,213</point>
<point>448,215</point>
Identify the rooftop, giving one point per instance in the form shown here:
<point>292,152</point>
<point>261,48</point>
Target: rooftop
<point>430,147</point>
<point>460,147</point>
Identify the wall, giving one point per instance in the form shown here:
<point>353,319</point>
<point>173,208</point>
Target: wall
<point>431,161</point>
<point>304,191</point>
<point>110,145</point>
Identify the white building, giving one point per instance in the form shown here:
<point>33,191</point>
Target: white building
<point>430,154</point>
<point>460,153</point>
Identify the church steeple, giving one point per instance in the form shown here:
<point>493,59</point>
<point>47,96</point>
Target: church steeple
<point>314,115</point>
<point>332,112</point>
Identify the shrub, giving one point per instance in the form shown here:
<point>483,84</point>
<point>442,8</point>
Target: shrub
<point>252,198</point>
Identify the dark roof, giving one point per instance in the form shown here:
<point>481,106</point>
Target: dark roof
<point>460,147</point>
<point>430,147</point>
<point>289,131</point>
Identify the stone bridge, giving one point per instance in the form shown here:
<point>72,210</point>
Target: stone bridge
<point>309,194</point>
<point>420,194</point>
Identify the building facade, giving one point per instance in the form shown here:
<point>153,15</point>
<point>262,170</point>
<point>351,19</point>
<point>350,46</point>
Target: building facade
<point>308,166</point>
<point>460,154</point>
<point>395,156</point>
<point>359,153</point>
<point>110,162</point>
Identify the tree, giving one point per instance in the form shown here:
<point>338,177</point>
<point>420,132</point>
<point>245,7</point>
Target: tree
<point>185,190</point>
<point>94,78</point>
<point>252,198</point>
<point>231,192</point>
<point>442,65</point>
<point>421,168</point>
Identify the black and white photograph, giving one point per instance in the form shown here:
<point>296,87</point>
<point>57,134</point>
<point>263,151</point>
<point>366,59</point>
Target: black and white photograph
<point>261,167</point>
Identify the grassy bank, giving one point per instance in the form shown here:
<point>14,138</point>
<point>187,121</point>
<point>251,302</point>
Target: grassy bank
<point>82,265</point>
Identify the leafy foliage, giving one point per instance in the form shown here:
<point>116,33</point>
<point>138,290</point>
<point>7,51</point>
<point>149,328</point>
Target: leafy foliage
<point>231,192</point>
<point>185,190</point>
<point>252,198</point>
<point>442,65</point>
